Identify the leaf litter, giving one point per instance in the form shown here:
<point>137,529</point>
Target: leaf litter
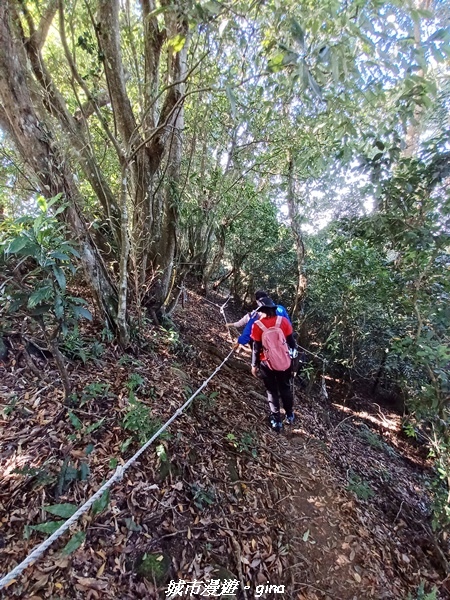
<point>221,495</point>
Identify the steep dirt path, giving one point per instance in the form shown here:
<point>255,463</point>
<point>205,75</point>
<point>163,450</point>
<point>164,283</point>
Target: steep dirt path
<point>222,497</point>
<point>342,544</point>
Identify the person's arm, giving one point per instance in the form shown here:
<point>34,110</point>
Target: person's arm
<point>245,319</point>
<point>256,354</point>
<point>286,327</point>
<point>245,336</point>
<point>256,336</point>
<point>291,341</point>
<point>256,357</point>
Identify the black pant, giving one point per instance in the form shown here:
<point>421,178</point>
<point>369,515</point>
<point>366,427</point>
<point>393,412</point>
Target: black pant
<point>278,385</point>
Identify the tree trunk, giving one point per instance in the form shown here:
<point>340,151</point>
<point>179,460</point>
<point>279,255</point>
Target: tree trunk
<point>298,237</point>
<point>122,324</point>
<point>154,148</point>
<point>213,265</point>
<point>44,159</point>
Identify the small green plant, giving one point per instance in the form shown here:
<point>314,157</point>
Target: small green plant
<point>308,372</point>
<point>81,429</point>
<point>139,421</point>
<point>126,360</point>
<point>177,346</point>
<point>154,567</point>
<point>38,261</point>
<point>421,594</point>
<point>375,440</point>
<point>107,335</point>
<point>246,443</point>
<point>207,400</point>
<point>203,497</point>
<point>9,408</point>
<point>360,487</point>
<point>94,390</point>
<point>41,476</point>
<point>134,382</point>
<point>76,347</point>
<point>69,473</point>
<point>371,438</point>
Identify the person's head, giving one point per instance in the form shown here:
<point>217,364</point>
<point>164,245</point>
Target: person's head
<point>260,294</point>
<point>267,307</point>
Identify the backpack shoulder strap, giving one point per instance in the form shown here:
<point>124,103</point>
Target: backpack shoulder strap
<point>278,321</point>
<point>260,325</point>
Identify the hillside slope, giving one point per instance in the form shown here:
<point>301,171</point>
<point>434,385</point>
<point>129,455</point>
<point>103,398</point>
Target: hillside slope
<point>335,507</point>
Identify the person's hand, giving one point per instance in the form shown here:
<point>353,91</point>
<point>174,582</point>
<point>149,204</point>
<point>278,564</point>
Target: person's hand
<point>236,346</point>
<point>255,371</point>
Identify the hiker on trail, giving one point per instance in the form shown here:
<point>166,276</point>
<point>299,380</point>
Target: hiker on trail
<point>253,316</point>
<point>272,337</point>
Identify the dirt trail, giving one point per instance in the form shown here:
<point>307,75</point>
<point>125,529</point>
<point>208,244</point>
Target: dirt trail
<point>342,546</point>
<point>223,496</point>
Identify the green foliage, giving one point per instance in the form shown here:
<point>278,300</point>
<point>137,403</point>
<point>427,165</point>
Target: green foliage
<point>209,400</point>
<point>247,443</point>
<point>359,486</point>
<point>8,409</point>
<point>421,594</point>
<point>48,527</point>
<point>93,391</point>
<point>139,421</point>
<point>36,249</point>
<point>371,438</point>
<point>74,543</point>
<point>68,474</point>
<point>65,511</point>
<point>81,429</point>
<point>101,503</point>
<point>40,476</point>
<point>126,359</point>
<point>36,262</point>
<point>375,440</point>
<point>134,382</point>
<point>203,496</point>
<point>379,295</point>
<point>84,348</point>
<point>172,339</point>
<point>154,567</point>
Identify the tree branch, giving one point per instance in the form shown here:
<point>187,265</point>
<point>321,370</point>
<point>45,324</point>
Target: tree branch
<point>83,85</point>
<point>45,22</point>
<point>153,41</point>
<point>56,106</point>
<point>109,34</point>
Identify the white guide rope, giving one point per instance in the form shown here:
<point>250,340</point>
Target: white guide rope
<point>41,548</point>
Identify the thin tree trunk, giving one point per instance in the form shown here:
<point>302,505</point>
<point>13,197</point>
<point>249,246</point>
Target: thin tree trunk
<point>298,237</point>
<point>122,324</point>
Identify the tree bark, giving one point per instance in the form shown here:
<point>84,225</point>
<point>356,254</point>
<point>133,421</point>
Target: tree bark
<point>154,186</point>
<point>40,152</point>
<point>148,147</point>
<point>298,237</point>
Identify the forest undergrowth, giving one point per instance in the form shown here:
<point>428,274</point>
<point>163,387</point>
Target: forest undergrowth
<point>336,507</point>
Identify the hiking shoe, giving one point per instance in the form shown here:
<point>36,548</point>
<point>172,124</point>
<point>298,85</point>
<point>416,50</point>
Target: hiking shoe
<point>290,419</point>
<point>276,424</point>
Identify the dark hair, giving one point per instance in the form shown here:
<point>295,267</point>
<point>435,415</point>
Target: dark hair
<point>268,311</point>
<point>260,294</point>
